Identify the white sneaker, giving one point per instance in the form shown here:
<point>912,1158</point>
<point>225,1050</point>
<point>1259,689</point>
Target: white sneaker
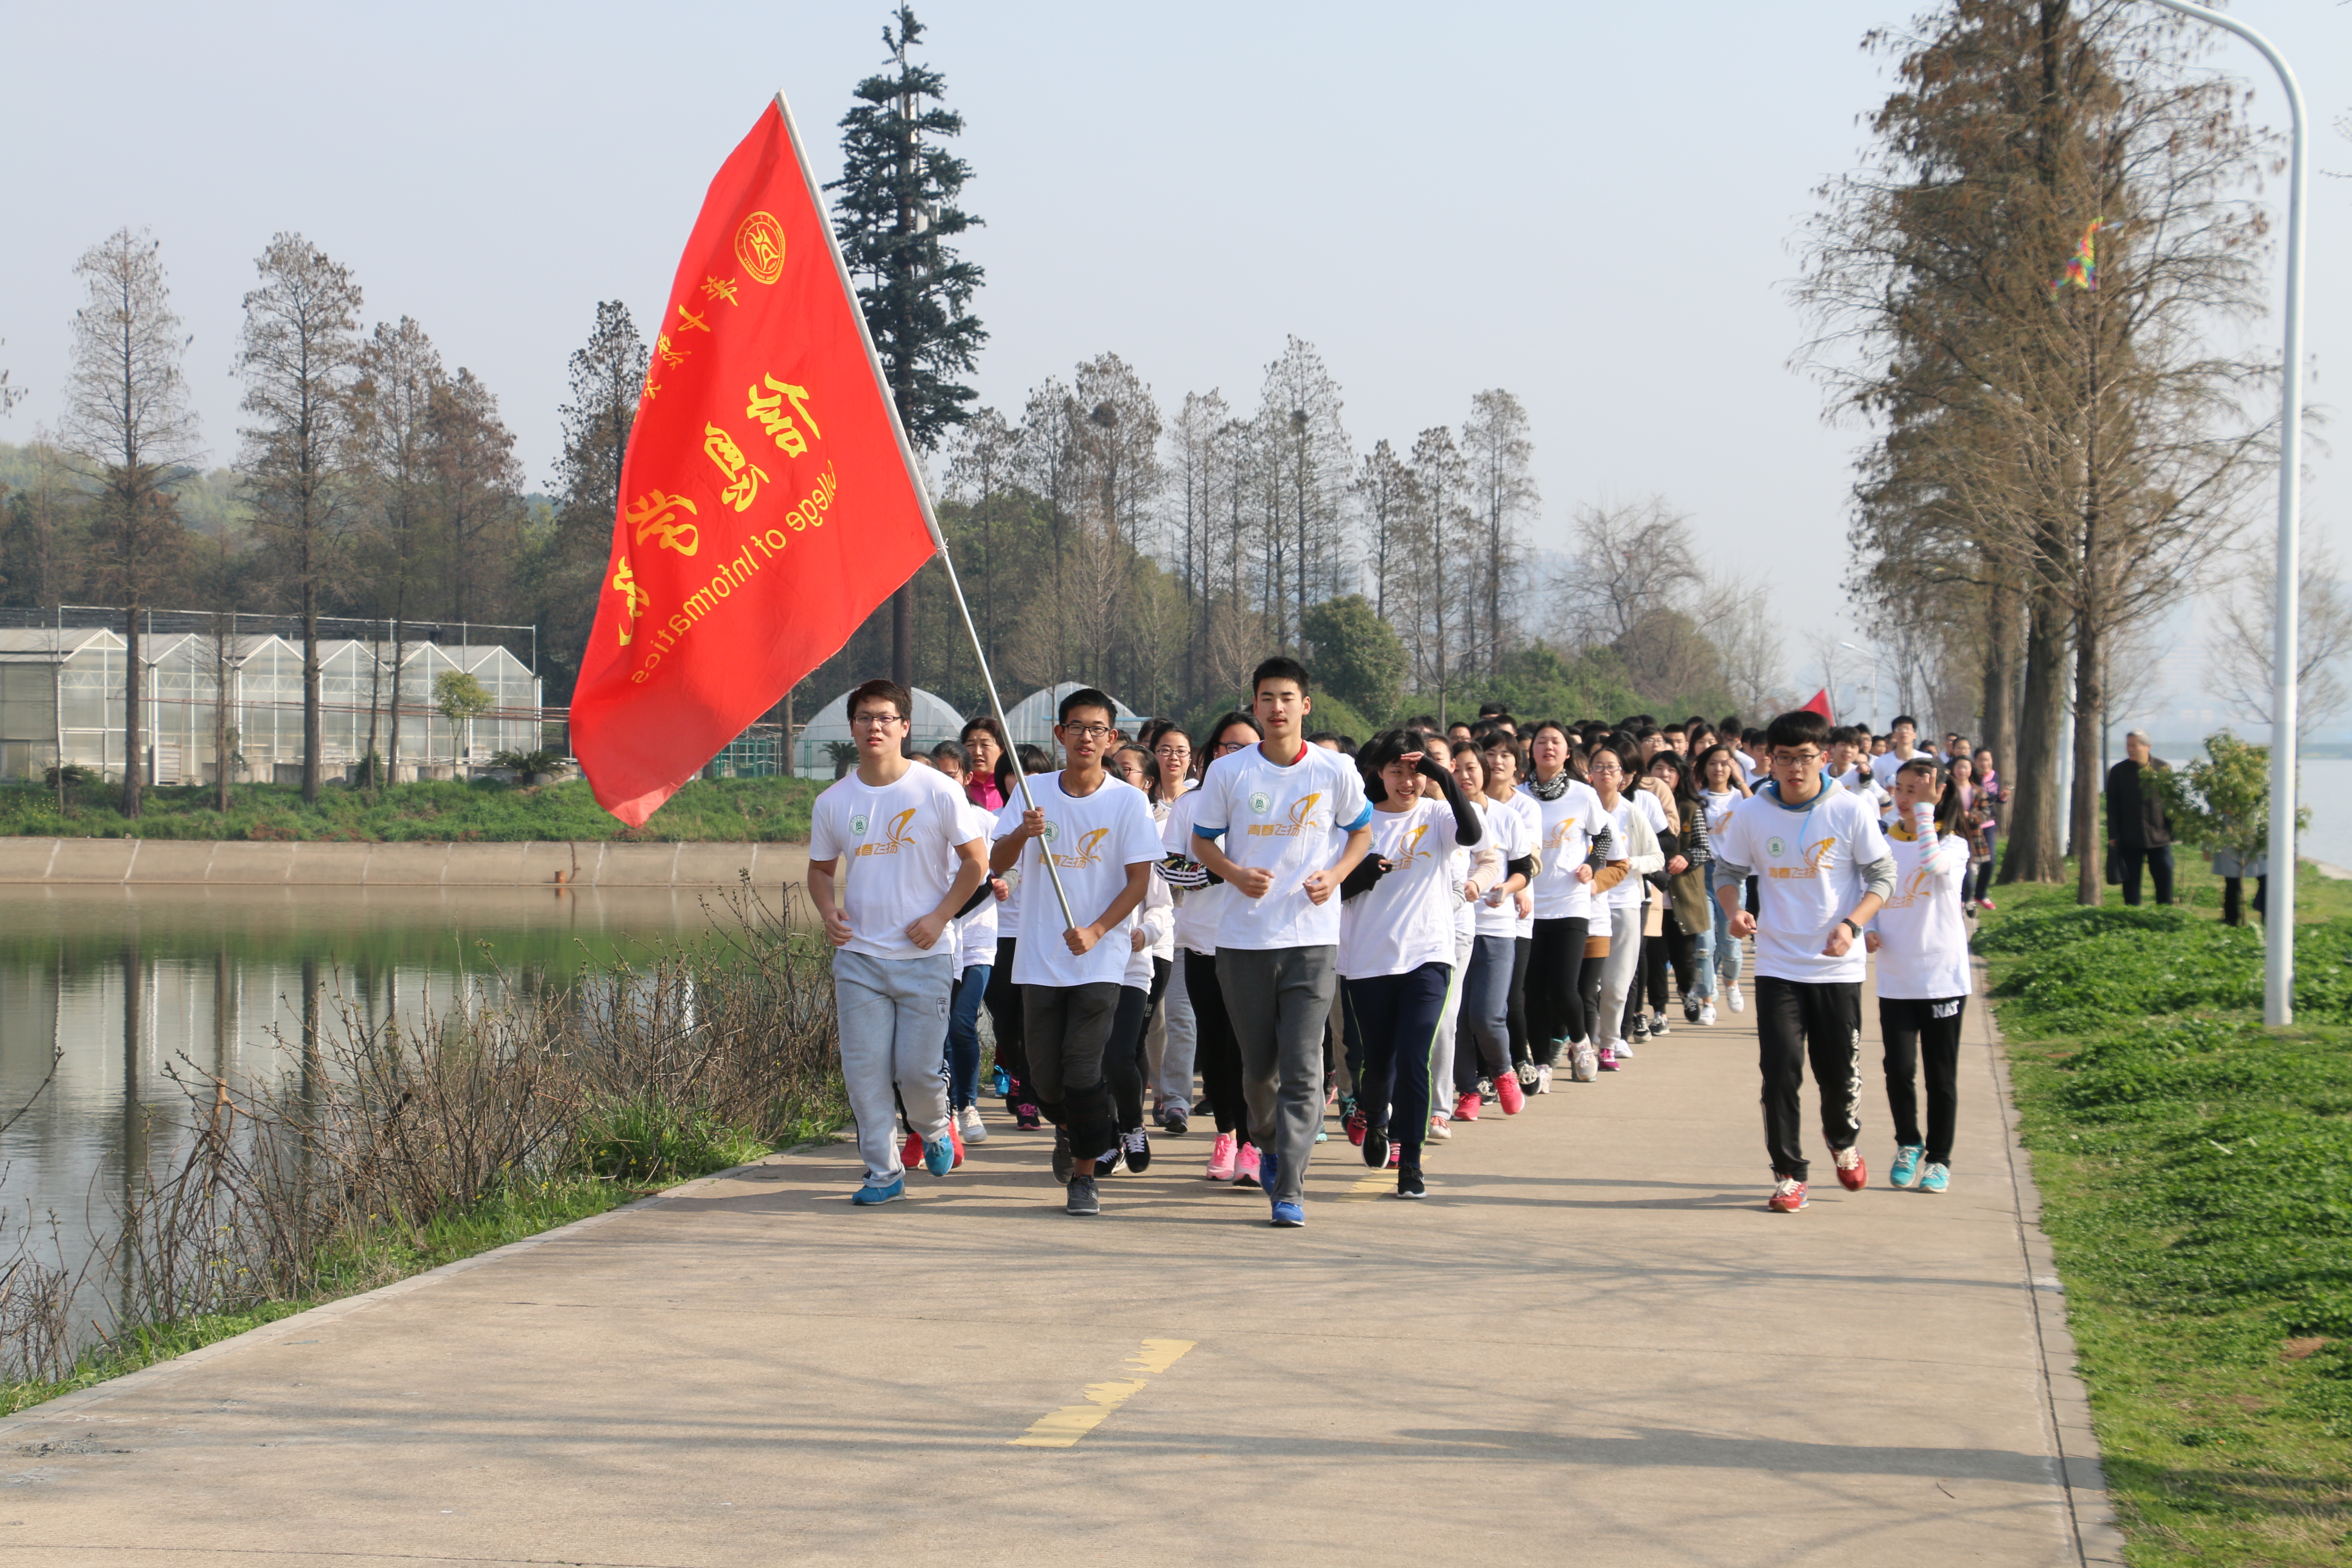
<point>1438,1128</point>
<point>1585,1064</point>
<point>1526,1075</point>
<point>1707,1013</point>
<point>1625,1049</point>
<point>1732,996</point>
<point>968,1123</point>
<point>1543,1080</point>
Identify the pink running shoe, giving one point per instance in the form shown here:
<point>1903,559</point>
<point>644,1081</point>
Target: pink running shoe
<point>1507,1091</point>
<point>1246,1167</point>
<point>1608,1058</point>
<point>1221,1158</point>
<point>1466,1105</point>
<point>1396,1155</point>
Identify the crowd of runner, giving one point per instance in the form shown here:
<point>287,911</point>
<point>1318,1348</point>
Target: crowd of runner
<point>1383,940</point>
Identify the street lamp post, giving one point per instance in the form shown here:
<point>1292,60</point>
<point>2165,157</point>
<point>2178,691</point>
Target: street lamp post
<point>2278,970</point>
<point>1873,651</point>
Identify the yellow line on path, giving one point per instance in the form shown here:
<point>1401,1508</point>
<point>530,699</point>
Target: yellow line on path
<point>1060,1428</point>
<point>1374,1183</point>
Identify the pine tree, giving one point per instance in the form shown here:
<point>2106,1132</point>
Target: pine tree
<point>896,210</point>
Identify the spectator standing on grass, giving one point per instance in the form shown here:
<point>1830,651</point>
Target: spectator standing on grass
<point>892,860</point>
<point>2138,830</point>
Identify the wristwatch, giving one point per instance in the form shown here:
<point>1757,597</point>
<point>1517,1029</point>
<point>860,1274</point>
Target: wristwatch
<point>1848,923</point>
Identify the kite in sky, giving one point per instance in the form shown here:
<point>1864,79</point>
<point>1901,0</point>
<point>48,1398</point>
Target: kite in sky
<point>2083,271</point>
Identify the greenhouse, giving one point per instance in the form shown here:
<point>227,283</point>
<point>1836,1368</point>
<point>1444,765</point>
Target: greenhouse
<point>81,671</point>
<point>934,721</point>
<point>1030,722</point>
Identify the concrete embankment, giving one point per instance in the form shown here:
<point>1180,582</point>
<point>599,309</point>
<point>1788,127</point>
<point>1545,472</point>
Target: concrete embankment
<point>223,863</point>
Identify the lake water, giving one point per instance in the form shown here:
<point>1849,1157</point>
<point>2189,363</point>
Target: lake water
<point>2326,789</point>
<point>126,987</point>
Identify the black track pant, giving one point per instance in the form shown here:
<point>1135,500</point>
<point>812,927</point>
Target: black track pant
<point>1002,999</point>
<point>1520,947</point>
<point>1126,1066</point>
<point>1796,1019</point>
<point>1922,1033</point>
<point>1215,1050</point>
<point>1555,988</point>
<point>1670,947</point>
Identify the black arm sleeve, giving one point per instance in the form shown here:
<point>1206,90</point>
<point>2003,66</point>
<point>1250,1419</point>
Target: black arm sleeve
<point>1369,870</point>
<point>1670,842</point>
<point>986,891</point>
<point>1522,866</point>
<point>1467,828</point>
<point>1604,848</point>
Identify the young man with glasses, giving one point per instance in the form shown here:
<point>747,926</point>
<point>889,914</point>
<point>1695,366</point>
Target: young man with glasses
<point>1822,870</point>
<point>891,863</point>
<point>1269,820</point>
<point>1104,844</point>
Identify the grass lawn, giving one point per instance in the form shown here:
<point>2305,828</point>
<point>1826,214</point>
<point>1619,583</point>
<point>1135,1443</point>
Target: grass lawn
<point>725,810</point>
<point>2197,1175</point>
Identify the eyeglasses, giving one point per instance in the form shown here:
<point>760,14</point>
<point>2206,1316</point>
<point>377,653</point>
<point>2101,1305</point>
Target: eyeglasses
<point>1087,732</point>
<point>1172,751</point>
<point>876,721</point>
<point>1794,758</point>
<point>1222,747</point>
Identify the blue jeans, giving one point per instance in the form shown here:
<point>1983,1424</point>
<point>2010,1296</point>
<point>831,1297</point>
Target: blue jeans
<point>1393,1020</point>
<point>1725,945</point>
<point>1702,961</point>
<point>1485,1013</point>
<point>962,1063</point>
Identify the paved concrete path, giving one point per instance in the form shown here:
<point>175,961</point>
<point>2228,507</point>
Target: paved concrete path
<point>1593,1344</point>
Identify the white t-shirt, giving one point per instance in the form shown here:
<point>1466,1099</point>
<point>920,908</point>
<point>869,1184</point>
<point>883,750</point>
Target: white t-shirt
<point>976,932</point>
<point>1094,839</point>
<point>1924,935</point>
<point>1155,917</point>
<point>1808,864</point>
<point>1199,909</point>
<point>1524,807</point>
<point>1719,804</point>
<point>1883,768</point>
<point>1513,831</point>
<point>1292,820</point>
<point>1407,918</point>
<point>1629,893</point>
<point>1864,782</point>
<point>1567,827</point>
<point>896,849</point>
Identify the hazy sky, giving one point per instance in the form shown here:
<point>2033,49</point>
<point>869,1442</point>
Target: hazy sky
<point>1594,208</point>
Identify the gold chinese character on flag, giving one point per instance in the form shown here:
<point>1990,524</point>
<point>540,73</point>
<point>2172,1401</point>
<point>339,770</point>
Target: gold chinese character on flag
<point>743,481</point>
<point>655,512</point>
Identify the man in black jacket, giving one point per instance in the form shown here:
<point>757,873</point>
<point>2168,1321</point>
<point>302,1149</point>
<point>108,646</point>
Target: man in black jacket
<point>2137,829</point>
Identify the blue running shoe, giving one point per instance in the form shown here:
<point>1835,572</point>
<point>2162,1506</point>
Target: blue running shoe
<point>1322,1135</point>
<point>1289,1215</point>
<point>869,1195</point>
<point>1268,1167</point>
<point>999,1082</point>
<point>939,1154</point>
<point>1937,1178</point>
<point>1905,1172</point>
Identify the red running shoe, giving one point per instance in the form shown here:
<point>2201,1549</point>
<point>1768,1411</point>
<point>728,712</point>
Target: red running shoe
<point>1788,1195</point>
<point>913,1155</point>
<point>1514,1098</point>
<point>1852,1175</point>
<point>1355,1125</point>
<point>1466,1105</point>
<point>955,1136</point>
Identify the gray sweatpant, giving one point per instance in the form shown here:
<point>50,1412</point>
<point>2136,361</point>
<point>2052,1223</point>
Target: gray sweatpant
<point>1279,999</point>
<point>1620,973</point>
<point>894,1014</point>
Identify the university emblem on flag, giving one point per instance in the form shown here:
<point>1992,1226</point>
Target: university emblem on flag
<point>760,247</point>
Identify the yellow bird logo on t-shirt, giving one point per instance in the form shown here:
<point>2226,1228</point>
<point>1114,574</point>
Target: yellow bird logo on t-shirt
<point>1301,820</point>
<point>895,836</point>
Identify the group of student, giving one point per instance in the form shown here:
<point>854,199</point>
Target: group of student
<point>1410,933</point>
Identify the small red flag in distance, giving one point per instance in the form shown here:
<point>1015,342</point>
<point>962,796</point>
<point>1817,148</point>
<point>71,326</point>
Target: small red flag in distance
<point>768,500</point>
<point>1821,705</point>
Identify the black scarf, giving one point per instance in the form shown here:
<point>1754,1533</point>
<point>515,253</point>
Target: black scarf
<point>1555,789</point>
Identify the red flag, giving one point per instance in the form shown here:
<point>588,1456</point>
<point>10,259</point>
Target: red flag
<point>1821,705</point>
<point>767,501</point>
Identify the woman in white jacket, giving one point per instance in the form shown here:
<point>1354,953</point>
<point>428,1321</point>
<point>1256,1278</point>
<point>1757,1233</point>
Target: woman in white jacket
<point>1921,938</point>
<point>1634,819</point>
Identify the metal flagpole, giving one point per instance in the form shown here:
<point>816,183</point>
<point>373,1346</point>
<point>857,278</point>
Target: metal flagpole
<point>922,490</point>
<point>2278,966</point>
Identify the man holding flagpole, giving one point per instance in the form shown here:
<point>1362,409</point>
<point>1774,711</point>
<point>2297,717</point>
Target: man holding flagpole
<point>890,863</point>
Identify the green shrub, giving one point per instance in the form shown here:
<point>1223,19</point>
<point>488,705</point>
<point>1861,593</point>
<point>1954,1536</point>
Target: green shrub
<point>647,1137</point>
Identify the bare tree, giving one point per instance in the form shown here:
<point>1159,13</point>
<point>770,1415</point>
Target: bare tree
<point>2240,650</point>
<point>1384,493</point>
<point>979,467</point>
<point>1310,465</point>
<point>298,358</point>
<point>1626,559</point>
<point>1502,474</point>
<point>132,431</point>
<point>392,440</point>
<point>478,491</point>
<point>1445,587</point>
